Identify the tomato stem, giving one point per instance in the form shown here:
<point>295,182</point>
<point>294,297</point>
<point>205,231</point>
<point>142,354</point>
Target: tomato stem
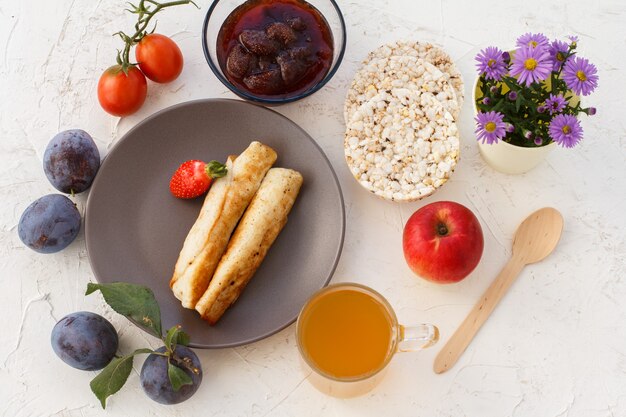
<point>144,14</point>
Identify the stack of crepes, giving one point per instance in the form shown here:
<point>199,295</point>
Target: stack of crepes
<point>253,200</point>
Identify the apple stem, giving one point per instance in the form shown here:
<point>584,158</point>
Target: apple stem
<point>442,230</point>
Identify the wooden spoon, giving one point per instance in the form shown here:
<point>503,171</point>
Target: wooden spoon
<point>535,239</point>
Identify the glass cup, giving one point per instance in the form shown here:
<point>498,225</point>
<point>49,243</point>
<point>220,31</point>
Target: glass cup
<point>347,334</point>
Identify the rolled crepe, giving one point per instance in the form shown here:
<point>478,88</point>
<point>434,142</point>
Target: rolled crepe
<point>223,207</point>
<point>254,235</point>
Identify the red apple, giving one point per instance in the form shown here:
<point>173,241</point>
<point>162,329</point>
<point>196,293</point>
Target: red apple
<point>443,242</point>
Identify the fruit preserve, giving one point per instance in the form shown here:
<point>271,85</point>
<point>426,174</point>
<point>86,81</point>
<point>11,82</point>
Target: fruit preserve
<point>275,48</point>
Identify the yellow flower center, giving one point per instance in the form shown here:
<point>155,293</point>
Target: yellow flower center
<point>533,44</point>
<point>491,63</point>
<point>560,57</point>
<point>581,75</point>
<point>566,129</point>
<point>490,127</point>
<point>530,64</point>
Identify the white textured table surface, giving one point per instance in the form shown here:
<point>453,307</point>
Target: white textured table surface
<point>556,345</point>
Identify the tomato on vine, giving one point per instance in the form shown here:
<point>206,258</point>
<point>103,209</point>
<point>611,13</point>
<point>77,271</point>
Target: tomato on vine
<point>122,88</point>
<point>159,58</point>
<point>119,93</point>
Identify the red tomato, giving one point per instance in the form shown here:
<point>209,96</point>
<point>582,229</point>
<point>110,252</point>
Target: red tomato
<point>159,58</point>
<point>120,94</point>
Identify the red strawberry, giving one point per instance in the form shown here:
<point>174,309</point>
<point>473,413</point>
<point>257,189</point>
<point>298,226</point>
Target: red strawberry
<point>193,178</point>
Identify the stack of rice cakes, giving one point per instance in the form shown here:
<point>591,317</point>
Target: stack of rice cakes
<point>402,141</point>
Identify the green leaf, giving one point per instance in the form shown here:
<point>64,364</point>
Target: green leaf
<point>183,338</point>
<point>510,83</point>
<point>177,376</point>
<point>113,376</point>
<point>175,336</point>
<point>143,350</point>
<point>136,302</point>
<point>171,338</point>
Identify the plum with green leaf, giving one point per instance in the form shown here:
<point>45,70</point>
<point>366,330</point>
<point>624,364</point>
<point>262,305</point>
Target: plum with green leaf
<point>171,379</point>
<point>170,374</point>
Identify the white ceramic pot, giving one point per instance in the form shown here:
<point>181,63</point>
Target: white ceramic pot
<point>507,158</point>
<point>511,159</point>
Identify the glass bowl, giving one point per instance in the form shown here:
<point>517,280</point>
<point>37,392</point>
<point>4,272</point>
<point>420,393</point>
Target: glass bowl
<point>221,9</point>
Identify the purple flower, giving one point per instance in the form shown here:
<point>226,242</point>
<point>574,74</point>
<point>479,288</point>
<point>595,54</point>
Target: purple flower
<point>573,39</point>
<point>541,109</point>
<point>510,128</point>
<point>528,134</point>
<point>494,89</point>
<point>591,111</point>
<point>491,63</point>
<point>565,130</point>
<point>555,104</point>
<point>490,127</point>
<point>506,56</point>
<point>531,65</point>
<point>538,140</point>
<point>558,51</point>
<point>512,95</point>
<point>580,76</point>
<point>533,40</point>
<point>486,101</point>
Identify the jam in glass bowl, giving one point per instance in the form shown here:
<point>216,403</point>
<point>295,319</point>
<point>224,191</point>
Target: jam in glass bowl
<point>274,51</point>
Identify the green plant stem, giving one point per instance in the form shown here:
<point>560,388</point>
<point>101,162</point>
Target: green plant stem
<point>145,14</point>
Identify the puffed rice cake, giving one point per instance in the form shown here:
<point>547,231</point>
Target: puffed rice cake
<point>401,140</point>
<point>431,53</point>
<point>381,74</point>
<point>402,144</point>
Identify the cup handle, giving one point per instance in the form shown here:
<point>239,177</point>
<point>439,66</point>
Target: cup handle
<point>414,338</point>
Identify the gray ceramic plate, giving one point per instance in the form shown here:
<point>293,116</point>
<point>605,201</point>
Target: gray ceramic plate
<point>135,228</point>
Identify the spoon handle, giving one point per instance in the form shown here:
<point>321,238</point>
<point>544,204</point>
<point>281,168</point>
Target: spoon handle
<point>459,341</point>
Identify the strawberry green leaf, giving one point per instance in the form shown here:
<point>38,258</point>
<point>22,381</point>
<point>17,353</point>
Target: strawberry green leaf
<point>136,302</point>
<point>177,376</point>
<point>215,169</point>
<point>113,376</point>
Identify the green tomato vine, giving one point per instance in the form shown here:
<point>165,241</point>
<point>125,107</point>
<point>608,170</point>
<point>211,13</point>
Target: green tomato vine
<point>145,11</point>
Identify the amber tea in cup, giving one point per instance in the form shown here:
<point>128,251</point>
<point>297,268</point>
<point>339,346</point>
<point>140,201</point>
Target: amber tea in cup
<point>347,333</point>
